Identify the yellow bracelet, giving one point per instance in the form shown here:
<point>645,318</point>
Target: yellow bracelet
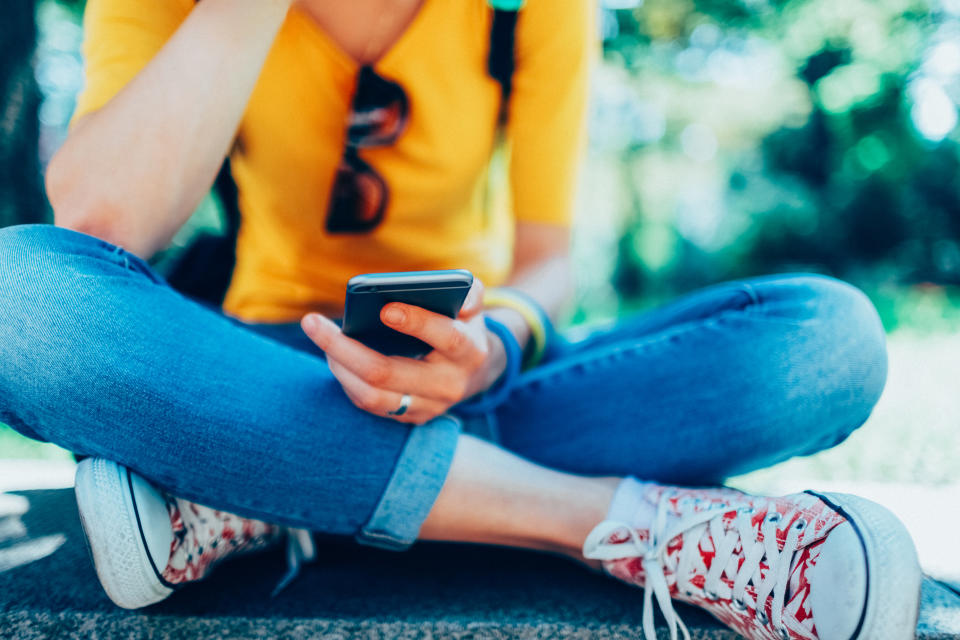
<point>503,297</point>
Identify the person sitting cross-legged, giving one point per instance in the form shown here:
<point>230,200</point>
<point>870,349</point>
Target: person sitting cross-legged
<point>213,432</point>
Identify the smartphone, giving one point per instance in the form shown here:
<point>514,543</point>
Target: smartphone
<point>438,291</point>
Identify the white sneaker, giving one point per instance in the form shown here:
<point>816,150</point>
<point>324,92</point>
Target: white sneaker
<point>806,566</point>
<point>145,543</point>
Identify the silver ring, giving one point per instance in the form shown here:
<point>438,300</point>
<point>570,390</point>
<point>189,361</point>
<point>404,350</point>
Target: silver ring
<point>404,405</point>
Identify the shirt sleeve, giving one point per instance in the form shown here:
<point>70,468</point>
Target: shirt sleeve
<point>120,38</point>
<point>556,44</point>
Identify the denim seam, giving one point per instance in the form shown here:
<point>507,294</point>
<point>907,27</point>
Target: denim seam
<point>529,382</point>
<point>759,310</point>
<point>109,253</point>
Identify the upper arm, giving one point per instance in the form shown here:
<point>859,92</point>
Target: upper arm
<point>120,39</point>
<point>556,44</point>
<point>536,242</point>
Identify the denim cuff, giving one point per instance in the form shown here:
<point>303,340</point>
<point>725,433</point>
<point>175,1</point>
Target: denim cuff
<point>416,482</point>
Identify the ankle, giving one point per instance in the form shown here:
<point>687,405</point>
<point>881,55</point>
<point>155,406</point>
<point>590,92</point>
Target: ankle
<point>582,506</point>
<point>491,496</point>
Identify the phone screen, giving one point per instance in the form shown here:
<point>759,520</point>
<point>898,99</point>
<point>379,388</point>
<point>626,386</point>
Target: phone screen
<point>442,292</point>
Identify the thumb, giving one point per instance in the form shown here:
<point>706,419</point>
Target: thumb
<point>474,302</point>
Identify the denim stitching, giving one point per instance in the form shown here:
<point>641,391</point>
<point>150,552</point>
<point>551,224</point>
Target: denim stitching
<point>532,382</point>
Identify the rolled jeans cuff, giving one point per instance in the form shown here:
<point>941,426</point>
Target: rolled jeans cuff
<point>414,486</point>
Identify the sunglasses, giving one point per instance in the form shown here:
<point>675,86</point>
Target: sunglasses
<point>378,115</point>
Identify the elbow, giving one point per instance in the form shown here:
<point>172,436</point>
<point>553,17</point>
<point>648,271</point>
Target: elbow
<point>75,205</point>
<point>79,206</point>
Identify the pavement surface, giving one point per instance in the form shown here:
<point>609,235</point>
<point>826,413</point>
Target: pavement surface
<point>48,590</point>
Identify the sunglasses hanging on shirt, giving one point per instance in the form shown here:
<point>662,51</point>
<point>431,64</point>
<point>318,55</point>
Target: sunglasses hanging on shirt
<point>378,115</point>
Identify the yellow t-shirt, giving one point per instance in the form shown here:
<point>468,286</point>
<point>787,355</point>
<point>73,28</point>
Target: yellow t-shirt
<point>443,211</point>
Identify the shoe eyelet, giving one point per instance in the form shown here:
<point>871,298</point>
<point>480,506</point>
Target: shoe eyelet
<point>800,523</point>
<point>762,617</point>
<point>773,517</point>
<point>738,604</point>
<point>710,595</point>
<point>784,633</point>
<point>695,592</point>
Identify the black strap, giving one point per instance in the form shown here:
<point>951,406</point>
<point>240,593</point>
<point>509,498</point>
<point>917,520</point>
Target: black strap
<point>501,59</point>
<point>226,190</point>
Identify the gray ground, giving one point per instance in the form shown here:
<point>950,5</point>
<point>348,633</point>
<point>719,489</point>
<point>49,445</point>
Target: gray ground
<point>48,590</point>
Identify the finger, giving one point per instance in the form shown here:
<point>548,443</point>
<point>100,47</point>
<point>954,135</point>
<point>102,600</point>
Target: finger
<point>474,302</point>
<point>452,338</point>
<point>376,369</point>
<point>382,402</point>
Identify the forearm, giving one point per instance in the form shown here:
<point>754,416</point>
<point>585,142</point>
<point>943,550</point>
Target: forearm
<point>134,170</point>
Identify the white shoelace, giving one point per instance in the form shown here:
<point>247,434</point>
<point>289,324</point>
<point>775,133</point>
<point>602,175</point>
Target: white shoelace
<point>300,549</point>
<point>692,527</point>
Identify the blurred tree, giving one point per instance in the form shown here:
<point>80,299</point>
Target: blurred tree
<point>21,190</point>
<point>831,130</point>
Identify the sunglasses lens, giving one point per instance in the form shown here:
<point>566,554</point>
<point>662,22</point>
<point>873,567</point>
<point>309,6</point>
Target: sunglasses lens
<point>379,111</point>
<point>358,198</point>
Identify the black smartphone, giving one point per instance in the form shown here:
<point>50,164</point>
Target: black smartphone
<point>438,291</point>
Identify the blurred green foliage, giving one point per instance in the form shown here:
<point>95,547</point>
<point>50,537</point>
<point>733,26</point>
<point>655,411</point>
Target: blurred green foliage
<point>758,136</point>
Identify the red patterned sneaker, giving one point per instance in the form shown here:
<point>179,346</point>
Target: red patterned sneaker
<point>811,566</point>
<point>145,543</point>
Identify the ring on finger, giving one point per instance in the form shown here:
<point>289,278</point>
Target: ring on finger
<point>405,401</point>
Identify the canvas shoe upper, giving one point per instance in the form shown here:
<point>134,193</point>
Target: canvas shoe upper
<point>788,568</point>
<point>145,543</point>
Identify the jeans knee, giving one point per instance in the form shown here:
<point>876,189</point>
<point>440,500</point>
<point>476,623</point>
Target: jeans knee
<point>38,262</point>
<point>49,295</point>
<point>851,344</point>
<point>25,260</point>
<point>856,334</point>
<point>40,286</point>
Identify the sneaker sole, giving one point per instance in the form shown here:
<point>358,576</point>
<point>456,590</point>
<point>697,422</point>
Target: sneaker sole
<point>112,530</point>
<point>893,579</point>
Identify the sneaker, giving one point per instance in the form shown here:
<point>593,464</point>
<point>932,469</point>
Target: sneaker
<point>146,543</point>
<point>810,566</point>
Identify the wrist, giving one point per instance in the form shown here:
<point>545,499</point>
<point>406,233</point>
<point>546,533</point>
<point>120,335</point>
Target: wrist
<point>496,359</point>
<point>527,321</point>
<point>502,385</point>
<point>513,320</point>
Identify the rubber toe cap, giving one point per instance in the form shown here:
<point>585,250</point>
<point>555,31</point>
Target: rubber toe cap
<point>838,584</point>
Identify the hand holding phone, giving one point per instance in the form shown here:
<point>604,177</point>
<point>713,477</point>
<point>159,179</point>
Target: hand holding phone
<point>441,292</point>
<point>464,357</point>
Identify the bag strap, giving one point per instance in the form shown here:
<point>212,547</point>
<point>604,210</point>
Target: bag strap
<point>501,59</point>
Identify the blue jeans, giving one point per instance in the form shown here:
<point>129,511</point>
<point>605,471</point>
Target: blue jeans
<point>100,356</point>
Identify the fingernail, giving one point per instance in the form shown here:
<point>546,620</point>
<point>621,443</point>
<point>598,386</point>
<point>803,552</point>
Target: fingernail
<point>394,315</point>
<point>312,322</point>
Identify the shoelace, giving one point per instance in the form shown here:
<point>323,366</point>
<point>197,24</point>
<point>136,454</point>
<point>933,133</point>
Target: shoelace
<point>300,550</point>
<point>692,527</point>
<point>300,546</point>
